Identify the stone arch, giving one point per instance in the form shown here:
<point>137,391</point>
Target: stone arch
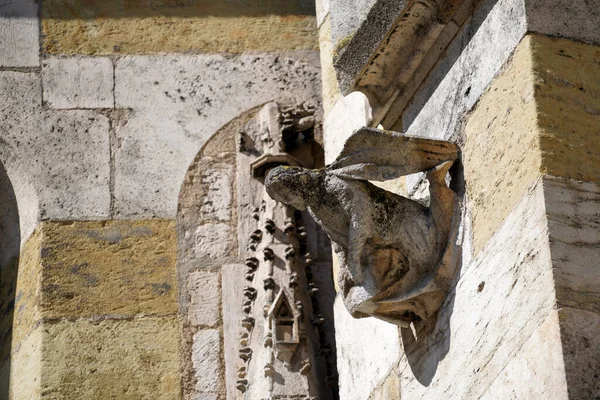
<point>18,217</point>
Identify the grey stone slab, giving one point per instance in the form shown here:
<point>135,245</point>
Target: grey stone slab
<point>178,102</point>
<point>78,82</point>
<point>19,33</point>
<point>233,281</point>
<point>204,292</point>
<point>58,160</point>
<point>578,20</point>
<point>72,167</point>
<point>206,350</point>
<point>481,48</point>
<point>322,9</point>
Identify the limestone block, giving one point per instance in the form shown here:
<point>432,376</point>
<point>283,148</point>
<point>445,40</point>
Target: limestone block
<point>541,361</point>
<point>331,89</point>
<point>108,268</point>
<point>19,33</point>
<point>576,20</point>
<point>26,367</point>
<point>204,290</point>
<point>20,122</point>
<point>501,298</point>
<point>28,291</point>
<point>213,241</point>
<point>348,114</point>
<point>161,26</point>
<point>574,225</point>
<point>232,276</point>
<point>136,359</point>
<point>322,9</point>
<point>501,155</point>
<point>361,368</point>
<point>471,62</point>
<point>72,168</point>
<point>581,351</point>
<point>199,94</point>
<point>206,351</point>
<point>78,82</point>
<point>216,204</point>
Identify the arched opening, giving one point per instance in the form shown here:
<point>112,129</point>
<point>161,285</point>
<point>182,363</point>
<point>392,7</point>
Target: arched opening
<point>10,240</point>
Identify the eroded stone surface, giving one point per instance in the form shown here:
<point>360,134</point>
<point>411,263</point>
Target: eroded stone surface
<point>213,241</point>
<point>204,290</point>
<point>216,204</point>
<point>140,27</point>
<point>136,358</point>
<point>19,33</point>
<point>78,82</point>
<point>200,94</point>
<point>109,268</point>
<point>206,360</point>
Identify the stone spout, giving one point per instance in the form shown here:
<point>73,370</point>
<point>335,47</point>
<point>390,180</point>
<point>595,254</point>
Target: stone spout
<point>395,254</point>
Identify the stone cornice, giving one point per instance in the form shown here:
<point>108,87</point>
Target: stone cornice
<point>393,50</point>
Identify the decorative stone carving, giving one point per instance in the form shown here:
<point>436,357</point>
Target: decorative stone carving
<point>396,255</point>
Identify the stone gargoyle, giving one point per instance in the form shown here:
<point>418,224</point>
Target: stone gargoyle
<point>396,255</point>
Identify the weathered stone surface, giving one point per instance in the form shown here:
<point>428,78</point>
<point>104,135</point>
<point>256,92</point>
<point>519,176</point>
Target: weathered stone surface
<point>213,241</point>
<point>501,298</point>
<point>216,204</point>
<point>502,136</point>
<point>76,143</point>
<point>232,276</point>
<point>471,62</point>
<point>204,290</point>
<point>389,388</point>
<point>137,359</point>
<point>206,351</point>
<point>526,365</point>
<point>361,368</point>
<point>395,254</point>
<point>576,20</point>
<point>108,268</point>
<point>567,96</point>
<point>19,33</point>
<point>581,351</point>
<point>28,290</point>
<point>26,367</point>
<point>322,9</point>
<point>331,90</point>
<point>573,210</point>
<point>348,114</point>
<point>78,82</point>
<point>139,27</point>
<point>193,91</point>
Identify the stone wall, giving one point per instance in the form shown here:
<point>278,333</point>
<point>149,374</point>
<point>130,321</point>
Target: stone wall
<point>515,88</point>
<point>104,107</point>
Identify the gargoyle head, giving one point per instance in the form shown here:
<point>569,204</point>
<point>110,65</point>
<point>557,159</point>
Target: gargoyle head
<point>291,185</point>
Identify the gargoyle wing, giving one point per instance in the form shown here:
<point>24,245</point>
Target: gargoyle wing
<point>376,155</point>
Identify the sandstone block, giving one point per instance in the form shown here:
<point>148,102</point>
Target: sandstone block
<point>134,359</point>
<point>206,350</point>
<point>108,268</point>
<point>19,33</point>
<point>26,367</point>
<point>204,290</point>
<point>78,82</point>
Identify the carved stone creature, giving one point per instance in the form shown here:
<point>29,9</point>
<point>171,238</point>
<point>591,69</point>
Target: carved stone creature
<point>396,255</point>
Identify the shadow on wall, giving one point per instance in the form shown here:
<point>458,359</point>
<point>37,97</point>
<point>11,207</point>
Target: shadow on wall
<point>429,343</point>
<point>10,239</point>
<point>462,99</point>
<point>89,9</point>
